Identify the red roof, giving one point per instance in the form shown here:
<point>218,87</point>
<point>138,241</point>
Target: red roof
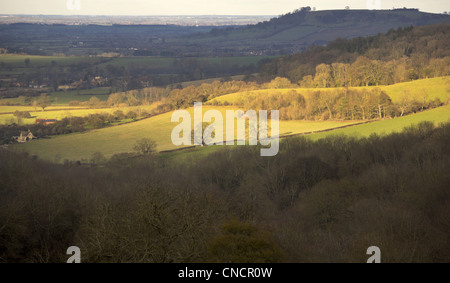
<point>46,121</point>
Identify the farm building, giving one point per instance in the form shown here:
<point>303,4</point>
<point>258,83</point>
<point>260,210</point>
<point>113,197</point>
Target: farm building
<point>46,121</point>
<point>24,137</point>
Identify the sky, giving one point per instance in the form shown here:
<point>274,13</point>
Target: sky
<point>202,7</point>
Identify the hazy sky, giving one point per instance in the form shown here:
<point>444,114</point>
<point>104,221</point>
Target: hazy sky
<point>201,7</point>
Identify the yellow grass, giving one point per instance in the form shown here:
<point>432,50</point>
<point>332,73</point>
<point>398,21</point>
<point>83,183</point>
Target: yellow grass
<point>60,112</point>
<point>431,88</point>
<point>120,139</point>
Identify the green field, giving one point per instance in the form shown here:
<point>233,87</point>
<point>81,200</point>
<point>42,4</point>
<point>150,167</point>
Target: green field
<point>14,64</point>
<point>122,138</point>
<point>18,60</point>
<point>52,112</point>
<point>60,112</point>
<point>435,88</point>
<point>437,116</point>
<point>64,97</point>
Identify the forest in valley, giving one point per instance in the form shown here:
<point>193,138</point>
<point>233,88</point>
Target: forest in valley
<point>316,201</point>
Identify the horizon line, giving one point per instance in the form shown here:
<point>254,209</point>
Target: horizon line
<point>208,15</point>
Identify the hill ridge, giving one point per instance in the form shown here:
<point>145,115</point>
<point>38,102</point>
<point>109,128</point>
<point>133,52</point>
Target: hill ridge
<point>310,28</point>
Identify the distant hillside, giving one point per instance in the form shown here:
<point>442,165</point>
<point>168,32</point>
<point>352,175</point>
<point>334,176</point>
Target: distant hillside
<point>399,55</point>
<point>296,31</point>
<point>214,36</point>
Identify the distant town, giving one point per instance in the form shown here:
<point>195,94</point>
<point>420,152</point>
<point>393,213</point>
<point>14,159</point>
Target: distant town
<point>211,20</point>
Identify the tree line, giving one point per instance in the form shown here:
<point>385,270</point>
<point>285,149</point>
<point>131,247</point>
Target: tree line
<point>400,55</point>
<point>333,104</point>
<point>171,97</point>
<point>316,201</point>
<point>329,104</point>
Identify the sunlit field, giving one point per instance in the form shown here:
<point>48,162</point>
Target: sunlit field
<point>61,112</point>
<point>429,89</point>
<point>121,139</point>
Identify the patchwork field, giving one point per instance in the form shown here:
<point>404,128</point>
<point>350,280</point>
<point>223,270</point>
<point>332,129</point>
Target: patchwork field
<point>119,139</point>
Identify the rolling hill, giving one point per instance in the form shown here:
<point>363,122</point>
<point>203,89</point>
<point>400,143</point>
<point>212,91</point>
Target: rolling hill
<point>60,112</point>
<point>120,139</point>
<point>435,88</point>
<point>437,116</point>
<point>384,127</point>
<point>296,31</point>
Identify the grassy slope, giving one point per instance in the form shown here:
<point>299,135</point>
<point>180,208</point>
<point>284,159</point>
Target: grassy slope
<point>305,29</point>
<point>65,97</point>
<point>434,88</point>
<point>121,138</point>
<point>437,116</point>
<point>108,140</point>
<point>60,112</point>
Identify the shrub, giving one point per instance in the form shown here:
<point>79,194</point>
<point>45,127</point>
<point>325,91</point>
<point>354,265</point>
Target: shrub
<point>145,146</point>
<point>97,158</point>
<point>22,114</point>
<point>119,115</point>
<point>131,115</point>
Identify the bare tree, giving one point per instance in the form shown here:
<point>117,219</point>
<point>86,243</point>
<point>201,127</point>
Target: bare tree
<point>44,101</point>
<point>405,102</point>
